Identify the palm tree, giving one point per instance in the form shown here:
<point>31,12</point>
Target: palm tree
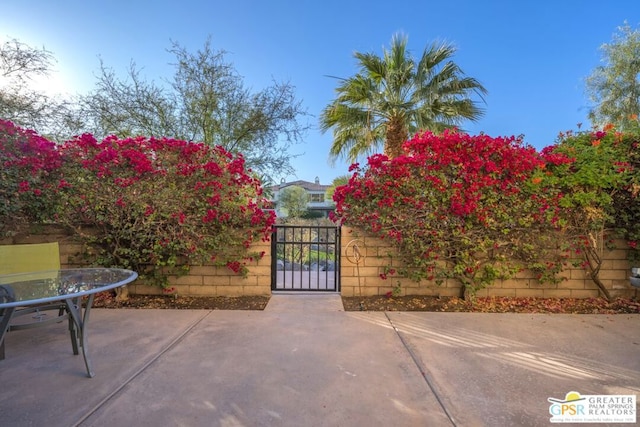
<point>394,96</point>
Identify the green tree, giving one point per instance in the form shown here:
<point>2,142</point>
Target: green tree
<point>394,96</point>
<point>614,86</point>
<point>293,200</point>
<point>129,107</point>
<point>206,101</point>
<point>20,64</point>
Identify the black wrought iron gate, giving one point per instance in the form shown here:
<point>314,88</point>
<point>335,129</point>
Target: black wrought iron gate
<point>305,258</point>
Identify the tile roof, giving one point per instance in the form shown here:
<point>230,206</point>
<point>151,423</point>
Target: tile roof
<point>309,186</point>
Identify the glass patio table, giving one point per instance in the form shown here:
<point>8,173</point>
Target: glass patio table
<point>62,290</point>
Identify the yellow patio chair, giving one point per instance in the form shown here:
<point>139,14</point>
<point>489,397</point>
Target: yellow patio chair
<point>26,258</point>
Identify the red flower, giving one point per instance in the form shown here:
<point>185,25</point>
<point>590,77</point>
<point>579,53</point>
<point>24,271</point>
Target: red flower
<point>23,187</point>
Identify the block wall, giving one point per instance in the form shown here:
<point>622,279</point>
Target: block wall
<point>364,277</point>
<point>360,273</point>
<point>204,280</point>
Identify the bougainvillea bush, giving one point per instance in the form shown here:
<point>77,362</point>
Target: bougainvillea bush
<point>477,208</point>
<point>154,205</point>
<point>159,204</point>
<point>602,192</point>
<point>627,202</point>
<point>457,206</point>
<point>29,177</point>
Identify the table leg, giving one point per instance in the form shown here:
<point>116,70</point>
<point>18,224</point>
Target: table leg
<point>5,318</point>
<point>77,302</point>
<point>79,328</point>
<point>6,295</point>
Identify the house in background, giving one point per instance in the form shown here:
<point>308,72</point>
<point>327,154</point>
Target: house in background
<point>316,192</point>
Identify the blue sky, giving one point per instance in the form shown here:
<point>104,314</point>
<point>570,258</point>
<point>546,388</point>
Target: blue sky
<point>532,56</point>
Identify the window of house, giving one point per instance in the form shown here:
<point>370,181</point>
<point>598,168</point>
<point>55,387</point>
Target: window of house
<point>316,198</point>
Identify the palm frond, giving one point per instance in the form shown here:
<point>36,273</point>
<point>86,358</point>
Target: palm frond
<point>431,94</point>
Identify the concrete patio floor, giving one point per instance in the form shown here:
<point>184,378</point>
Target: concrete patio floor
<point>303,361</point>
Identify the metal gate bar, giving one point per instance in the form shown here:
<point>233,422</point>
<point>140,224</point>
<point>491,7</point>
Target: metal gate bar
<point>305,258</point>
